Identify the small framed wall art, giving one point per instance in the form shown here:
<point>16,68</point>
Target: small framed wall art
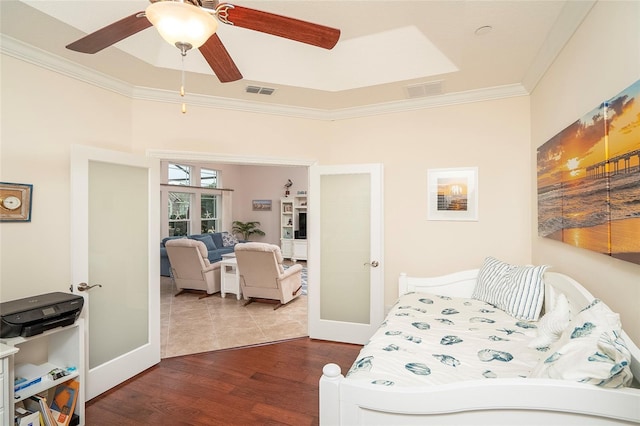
<point>261,205</point>
<point>452,194</point>
<point>15,202</point>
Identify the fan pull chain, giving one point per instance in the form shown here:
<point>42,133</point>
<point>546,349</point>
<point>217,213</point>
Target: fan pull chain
<point>184,105</point>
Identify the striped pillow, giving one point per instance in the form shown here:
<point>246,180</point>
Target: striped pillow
<point>517,290</point>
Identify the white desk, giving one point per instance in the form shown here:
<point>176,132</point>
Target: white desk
<point>229,277</point>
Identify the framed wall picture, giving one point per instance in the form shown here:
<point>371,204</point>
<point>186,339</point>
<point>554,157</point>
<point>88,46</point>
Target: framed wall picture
<point>452,194</point>
<point>261,205</point>
<point>15,202</point>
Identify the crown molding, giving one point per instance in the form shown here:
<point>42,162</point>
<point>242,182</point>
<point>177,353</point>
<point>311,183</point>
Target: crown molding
<point>41,58</point>
<point>17,49</point>
<point>194,99</point>
<point>480,95</point>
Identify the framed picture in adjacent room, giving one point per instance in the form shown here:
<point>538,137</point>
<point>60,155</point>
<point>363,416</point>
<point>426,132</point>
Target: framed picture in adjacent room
<point>15,202</point>
<point>452,194</point>
<point>261,205</point>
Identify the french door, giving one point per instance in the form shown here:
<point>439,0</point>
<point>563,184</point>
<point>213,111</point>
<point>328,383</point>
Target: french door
<point>114,243</point>
<point>346,267</point>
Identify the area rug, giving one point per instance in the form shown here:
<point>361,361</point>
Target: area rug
<point>304,278</point>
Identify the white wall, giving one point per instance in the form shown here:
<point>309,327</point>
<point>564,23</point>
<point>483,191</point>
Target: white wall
<point>43,114</point>
<point>493,136</point>
<point>602,58</point>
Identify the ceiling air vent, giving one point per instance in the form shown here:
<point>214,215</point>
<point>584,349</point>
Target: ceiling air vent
<point>422,90</point>
<point>260,90</point>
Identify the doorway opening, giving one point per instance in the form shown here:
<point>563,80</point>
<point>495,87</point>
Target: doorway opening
<point>192,325</point>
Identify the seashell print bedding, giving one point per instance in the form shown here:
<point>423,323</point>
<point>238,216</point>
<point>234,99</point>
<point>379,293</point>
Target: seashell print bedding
<point>432,340</point>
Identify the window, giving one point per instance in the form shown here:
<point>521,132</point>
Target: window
<point>179,174</point>
<point>179,209</point>
<point>209,202</point>
<point>209,221</point>
<point>208,178</point>
<point>188,189</point>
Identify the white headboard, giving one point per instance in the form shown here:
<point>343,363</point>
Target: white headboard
<point>579,297</point>
<point>556,283</point>
<point>459,284</point>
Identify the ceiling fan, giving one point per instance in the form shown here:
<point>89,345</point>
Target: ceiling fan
<point>189,24</point>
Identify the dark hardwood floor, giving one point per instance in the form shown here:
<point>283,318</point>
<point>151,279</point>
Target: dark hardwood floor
<point>271,384</point>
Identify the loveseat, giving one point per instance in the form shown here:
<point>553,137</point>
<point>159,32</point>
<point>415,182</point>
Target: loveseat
<point>217,244</point>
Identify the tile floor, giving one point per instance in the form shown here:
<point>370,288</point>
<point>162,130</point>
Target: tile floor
<point>191,325</point>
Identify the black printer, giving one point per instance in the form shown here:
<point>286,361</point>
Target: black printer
<point>33,315</point>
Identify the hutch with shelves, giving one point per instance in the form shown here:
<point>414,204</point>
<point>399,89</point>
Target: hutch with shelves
<point>293,227</point>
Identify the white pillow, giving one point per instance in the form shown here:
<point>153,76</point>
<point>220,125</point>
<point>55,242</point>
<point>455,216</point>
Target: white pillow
<point>591,350</point>
<point>517,290</point>
<point>228,240</point>
<point>552,324</point>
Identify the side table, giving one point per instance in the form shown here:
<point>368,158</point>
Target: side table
<point>229,277</point>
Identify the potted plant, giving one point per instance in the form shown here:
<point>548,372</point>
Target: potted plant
<point>246,229</point>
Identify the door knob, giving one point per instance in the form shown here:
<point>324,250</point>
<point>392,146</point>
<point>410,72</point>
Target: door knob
<point>86,287</point>
<point>373,264</point>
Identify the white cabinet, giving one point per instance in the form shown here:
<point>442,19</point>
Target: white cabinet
<point>293,227</point>
<point>61,347</point>
<point>299,250</point>
<point>286,247</point>
<point>6,361</point>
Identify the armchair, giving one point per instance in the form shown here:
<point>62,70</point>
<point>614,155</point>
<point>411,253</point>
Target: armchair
<point>262,275</point>
<point>190,267</point>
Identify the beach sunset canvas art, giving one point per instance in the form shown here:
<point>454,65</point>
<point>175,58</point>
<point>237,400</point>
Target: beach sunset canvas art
<point>589,180</point>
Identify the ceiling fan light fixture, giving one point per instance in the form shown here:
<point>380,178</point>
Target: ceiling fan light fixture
<point>181,24</point>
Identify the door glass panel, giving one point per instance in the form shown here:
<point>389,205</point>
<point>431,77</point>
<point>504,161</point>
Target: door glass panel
<point>345,248</point>
<point>118,260</point>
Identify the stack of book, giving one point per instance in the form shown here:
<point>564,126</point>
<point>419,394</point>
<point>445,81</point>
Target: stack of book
<point>52,408</point>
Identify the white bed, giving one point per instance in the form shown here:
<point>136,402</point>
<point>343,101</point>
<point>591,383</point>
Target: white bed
<point>498,401</point>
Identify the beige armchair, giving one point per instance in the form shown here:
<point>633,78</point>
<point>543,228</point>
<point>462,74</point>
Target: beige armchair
<point>262,275</point>
<point>190,267</point>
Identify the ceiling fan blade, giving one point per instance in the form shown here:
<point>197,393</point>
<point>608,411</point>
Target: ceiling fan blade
<point>219,60</point>
<point>111,34</point>
<point>281,26</point>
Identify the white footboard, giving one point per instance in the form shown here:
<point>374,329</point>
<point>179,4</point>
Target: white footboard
<point>485,402</point>
<point>330,395</point>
